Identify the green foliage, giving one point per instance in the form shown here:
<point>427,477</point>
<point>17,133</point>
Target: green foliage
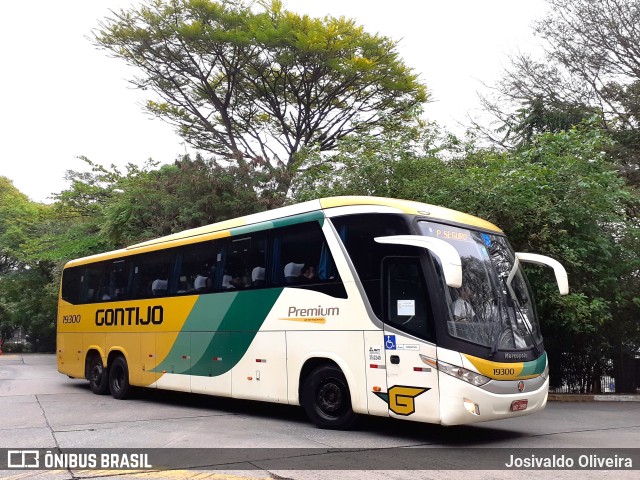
<point>365,164</point>
<point>15,348</point>
<point>186,194</point>
<point>18,216</point>
<point>27,298</point>
<point>591,67</point>
<point>30,297</point>
<point>257,82</point>
<point>538,116</point>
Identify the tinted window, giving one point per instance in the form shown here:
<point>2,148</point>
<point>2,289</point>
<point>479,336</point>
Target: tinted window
<point>261,259</point>
<point>246,262</point>
<point>197,267</point>
<point>91,278</point>
<point>114,281</point>
<point>301,259</point>
<point>357,232</point>
<point>407,302</point>
<point>151,274</point>
<point>301,256</point>
<point>72,284</point>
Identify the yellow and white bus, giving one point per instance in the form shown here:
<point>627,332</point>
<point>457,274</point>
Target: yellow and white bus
<point>344,305</point>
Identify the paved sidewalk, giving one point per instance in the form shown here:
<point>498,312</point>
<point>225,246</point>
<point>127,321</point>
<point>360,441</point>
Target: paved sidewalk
<point>605,397</point>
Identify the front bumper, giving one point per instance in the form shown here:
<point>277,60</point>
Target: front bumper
<point>489,404</point>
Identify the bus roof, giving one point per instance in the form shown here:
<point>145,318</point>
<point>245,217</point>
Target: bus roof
<point>226,228</point>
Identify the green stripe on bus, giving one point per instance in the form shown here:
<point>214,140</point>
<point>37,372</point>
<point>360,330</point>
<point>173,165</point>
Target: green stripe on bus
<point>280,222</point>
<point>535,367</point>
<point>219,330</point>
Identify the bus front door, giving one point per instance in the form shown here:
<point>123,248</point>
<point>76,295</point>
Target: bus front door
<point>412,379</point>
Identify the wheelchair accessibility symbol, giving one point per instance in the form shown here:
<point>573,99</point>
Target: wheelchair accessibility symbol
<point>389,342</point>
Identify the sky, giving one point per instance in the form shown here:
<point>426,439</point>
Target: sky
<point>62,98</point>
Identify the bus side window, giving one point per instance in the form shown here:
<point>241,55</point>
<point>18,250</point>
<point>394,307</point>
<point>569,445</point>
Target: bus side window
<point>91,280</point>
<point>81,285</point>
<point>113,281</point>
<point>197,267</point>
<point>407,305</point>
<point>357,233</point>
<point>151,274</point>
<point>245,262</point>
<point>72,284</point>
<point>119,280</point>
<point>301,259</point>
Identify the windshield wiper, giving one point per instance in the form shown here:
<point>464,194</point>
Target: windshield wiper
<point>518,308</point>
<point>501,328</point>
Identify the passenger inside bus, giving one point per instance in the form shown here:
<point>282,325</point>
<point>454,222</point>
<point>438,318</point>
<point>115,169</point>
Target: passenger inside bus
<point>308,274</point>
<point>184,285</point>
<point>257,276</point>
<point>202,282</point>
<point>159,286</point>
<point>292,272</point>
<point>462,309</point>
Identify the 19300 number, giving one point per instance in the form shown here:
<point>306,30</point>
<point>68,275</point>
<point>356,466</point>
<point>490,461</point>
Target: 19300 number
<point>504,371</point>
<point>71,318</point>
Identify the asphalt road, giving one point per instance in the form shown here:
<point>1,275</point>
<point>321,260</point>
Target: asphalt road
<point>40,408</point>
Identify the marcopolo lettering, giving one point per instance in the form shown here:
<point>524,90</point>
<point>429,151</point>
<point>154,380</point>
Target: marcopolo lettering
<point>129,316</point>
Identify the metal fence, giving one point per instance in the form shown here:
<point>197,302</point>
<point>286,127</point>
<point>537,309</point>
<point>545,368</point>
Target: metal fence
<point>607,385</point>
<point>572,375</point>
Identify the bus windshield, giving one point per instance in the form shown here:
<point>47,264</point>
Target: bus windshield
<point>486,309</point>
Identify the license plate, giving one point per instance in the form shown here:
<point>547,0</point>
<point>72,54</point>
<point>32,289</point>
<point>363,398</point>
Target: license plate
<point>519,405</point>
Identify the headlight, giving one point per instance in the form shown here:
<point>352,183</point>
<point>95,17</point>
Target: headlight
<point>462,373</point>
<point>545,374</point>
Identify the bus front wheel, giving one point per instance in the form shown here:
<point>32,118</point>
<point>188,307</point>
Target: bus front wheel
<point>119,378</point>
<point>326,398</point>
<point>98,376</point>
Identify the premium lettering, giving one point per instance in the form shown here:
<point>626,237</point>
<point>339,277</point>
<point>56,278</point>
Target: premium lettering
<point>318,311</point>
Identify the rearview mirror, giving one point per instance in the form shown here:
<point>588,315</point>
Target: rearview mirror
<point>446,253</point>
<point>558,269</point>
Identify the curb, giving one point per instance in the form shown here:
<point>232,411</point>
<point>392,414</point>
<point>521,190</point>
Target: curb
<point>569,397</point>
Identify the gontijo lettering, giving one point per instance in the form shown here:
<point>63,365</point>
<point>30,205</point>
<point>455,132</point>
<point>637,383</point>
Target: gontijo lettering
<point>129,316</point>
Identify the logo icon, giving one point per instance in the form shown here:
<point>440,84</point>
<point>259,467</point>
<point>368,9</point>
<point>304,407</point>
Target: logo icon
<point>401,399</point>
<point>23,459</point>
<point>521,386</point>
<point>389,342</point>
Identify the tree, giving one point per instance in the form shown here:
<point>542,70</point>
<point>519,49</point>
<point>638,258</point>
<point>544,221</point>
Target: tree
<point>115,209</point>
<point>591,67</point>
<point>30,297</point>
<point>365,165</point>
<point>187,194</point>
<point>17,216</point>
<point>26,298</point>
<point>257,83</point>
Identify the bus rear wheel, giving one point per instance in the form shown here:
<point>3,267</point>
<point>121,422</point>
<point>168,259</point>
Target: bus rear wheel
<point>326,398</point>
<point>119,379</point>
<point>98,376</point>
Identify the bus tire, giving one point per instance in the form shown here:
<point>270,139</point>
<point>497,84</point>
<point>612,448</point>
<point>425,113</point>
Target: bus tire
<point>119,379</point>
<point>326,398</point>
<point>98,376</point>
